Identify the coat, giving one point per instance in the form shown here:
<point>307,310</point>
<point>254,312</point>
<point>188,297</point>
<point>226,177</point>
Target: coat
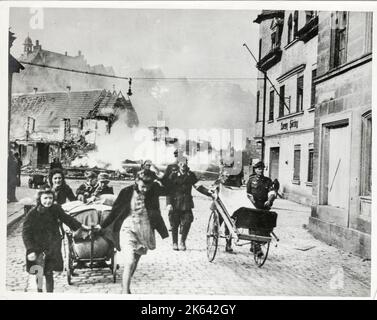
<point>41,233</point>
<point>181,188</point>
<point>63,193</point>
<point>122,208</point>
<point>259,187</point>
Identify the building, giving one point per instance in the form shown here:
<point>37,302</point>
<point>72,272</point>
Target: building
<point>288,55</point>
<point>49,80</point>
<point>341,210</point>
<point>13,67</point>
<point>49,124</point>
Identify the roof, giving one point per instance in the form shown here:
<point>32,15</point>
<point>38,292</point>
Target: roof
<point>14,65</point>
<point>48,108</point>
<point>269,14</point>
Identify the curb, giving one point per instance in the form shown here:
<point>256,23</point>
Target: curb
<point>15,217</point>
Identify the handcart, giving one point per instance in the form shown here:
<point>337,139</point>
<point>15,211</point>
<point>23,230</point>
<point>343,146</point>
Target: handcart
<point>242,223</point>
<point>88,249</point>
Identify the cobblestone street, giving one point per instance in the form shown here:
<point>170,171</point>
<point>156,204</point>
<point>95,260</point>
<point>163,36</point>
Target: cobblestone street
<point>300,265</point>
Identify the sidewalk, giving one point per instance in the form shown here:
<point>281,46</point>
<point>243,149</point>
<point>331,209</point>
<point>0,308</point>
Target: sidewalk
<point>15,212</point>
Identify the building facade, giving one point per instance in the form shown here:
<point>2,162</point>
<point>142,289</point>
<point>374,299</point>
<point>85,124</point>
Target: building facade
<point>45,125</point>
<point>50,80</point>
<point>288,55</point>
<point>341,209</point>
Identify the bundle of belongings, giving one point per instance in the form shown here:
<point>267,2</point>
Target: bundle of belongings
<point>91,215</point>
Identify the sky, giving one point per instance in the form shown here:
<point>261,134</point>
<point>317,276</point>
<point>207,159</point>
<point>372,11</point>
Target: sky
<point>175,43</point>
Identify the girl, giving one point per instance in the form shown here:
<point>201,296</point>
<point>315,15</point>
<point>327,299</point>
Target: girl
<point>61,190</point>
<point>136,213</point>
<point>42,238</point>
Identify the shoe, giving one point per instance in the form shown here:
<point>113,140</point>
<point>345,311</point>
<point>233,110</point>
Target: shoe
<point>182,246</point>
<point>228,248</point>
<point>175,246</point>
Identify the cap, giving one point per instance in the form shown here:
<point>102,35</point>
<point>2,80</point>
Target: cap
<point>90,174</point>
<point>259,164</point>
<point>103,177</point>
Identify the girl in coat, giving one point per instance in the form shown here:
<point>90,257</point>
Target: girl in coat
<point>42,238</point>
<point>135,215</point>
<point>62,191</point>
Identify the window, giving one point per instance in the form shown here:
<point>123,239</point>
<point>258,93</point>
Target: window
<point>300,93</point>
<point>281,101</point>
<point>272,102</point>
<point>289,29</point>
<point>310,164</point>
<point>258,98</point>
<point>312,97</point>
<point>260,49</point>
<point>273,40</point>
<point>339,38</point>
<point>309,15</point>
<point>296,163</point>
<point>368,32</point>
<point>295,23</point>
<point>366,155</point>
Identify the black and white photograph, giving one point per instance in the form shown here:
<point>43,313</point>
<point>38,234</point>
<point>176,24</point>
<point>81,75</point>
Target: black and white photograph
<point>187,149</point>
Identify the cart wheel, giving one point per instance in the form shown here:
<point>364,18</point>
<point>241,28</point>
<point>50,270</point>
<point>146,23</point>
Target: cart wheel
<point>265,247</point>
<point>212,235</point>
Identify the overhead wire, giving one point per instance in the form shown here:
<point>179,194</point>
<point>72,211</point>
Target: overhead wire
<point>143,78</point>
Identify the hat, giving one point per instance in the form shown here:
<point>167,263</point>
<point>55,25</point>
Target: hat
<point>90,174</point>
<point>259,164</point>
<point>103,177</point>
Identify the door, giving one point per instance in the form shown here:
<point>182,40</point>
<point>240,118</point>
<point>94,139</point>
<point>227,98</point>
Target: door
<point>339,167</point>
<point>43,152</point>
<point>274,163</point>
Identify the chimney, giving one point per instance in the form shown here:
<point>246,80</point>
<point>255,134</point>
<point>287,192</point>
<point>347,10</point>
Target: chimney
<point>65,53</point>
<point>35,90</point>
<point>79,53</point>
<point>37,45</point>
<point>69,88</point>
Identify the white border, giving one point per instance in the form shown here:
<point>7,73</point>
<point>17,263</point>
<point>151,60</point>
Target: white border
<point>227,5</point>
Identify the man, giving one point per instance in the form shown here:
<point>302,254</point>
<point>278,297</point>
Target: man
<point>261,191</point>
<point>173,167</point>
<point>181,201</point>
<point>102,187</point>
<point>12,177</point>
<point>19,166</point>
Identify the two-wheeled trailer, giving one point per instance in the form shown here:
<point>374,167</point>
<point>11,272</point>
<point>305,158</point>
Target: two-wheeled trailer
<point>258,223</point>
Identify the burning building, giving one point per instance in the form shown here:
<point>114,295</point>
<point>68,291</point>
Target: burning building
<point>55,124</point>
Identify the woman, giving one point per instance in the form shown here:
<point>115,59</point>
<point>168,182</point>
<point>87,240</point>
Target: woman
<point>42,237</point>
<point>61,190</point>
<point>136,214</point>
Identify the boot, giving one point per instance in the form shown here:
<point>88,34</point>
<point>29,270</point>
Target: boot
<point>185,231</point>
<point>228,246</point>
<point>174,235</point>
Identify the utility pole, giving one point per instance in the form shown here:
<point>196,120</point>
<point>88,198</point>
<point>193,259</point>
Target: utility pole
<point>265,78</point>
<point>264,113</point>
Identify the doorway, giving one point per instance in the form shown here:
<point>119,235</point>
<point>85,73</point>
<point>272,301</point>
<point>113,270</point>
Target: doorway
<point>274,163</point>
<point>336,165</point>
<point>42,154</point>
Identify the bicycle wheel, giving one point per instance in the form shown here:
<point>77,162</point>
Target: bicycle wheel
<point>258,258</point>
<point>212,235</point>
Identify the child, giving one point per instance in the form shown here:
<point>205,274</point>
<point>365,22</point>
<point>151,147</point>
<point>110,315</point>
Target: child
<point>42,238</point>
<point>87,189</point>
